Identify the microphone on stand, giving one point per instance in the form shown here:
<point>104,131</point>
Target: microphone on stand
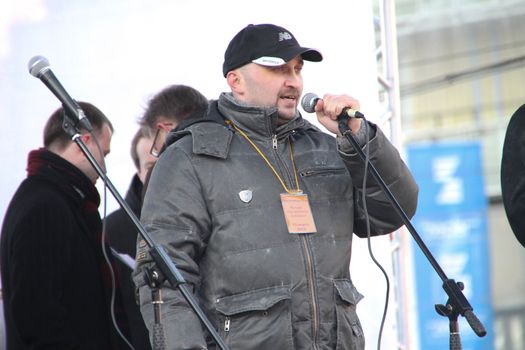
<point>39,67</point>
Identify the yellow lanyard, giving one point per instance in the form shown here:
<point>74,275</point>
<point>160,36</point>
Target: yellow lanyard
<point>268,162</point>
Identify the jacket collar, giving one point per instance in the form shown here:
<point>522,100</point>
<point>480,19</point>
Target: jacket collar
<point>54,169</point>
<point>258,122</point>
<point>134,194</point>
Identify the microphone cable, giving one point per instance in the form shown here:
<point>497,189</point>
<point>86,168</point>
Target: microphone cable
<point>105,252</point>
<point>368,234</point>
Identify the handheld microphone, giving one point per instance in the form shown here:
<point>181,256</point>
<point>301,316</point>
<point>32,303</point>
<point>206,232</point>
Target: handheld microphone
<point>310,99</point>
<point>39,67</point>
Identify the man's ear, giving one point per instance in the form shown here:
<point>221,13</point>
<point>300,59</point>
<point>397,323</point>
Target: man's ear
<point>86,137</point>
<point>234,80</point>
<point>165,125</point>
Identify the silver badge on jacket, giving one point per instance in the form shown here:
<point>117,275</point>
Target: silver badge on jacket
<point>246,196</point>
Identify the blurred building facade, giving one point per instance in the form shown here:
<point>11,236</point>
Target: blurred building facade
<point>462,76</point>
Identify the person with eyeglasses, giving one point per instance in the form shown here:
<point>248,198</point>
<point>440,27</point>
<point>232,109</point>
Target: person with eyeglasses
<point>165,110</point>
<point>257,208</point>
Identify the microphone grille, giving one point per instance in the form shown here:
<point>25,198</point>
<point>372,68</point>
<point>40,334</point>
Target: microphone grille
<point>38,65</point>
<point>308,102</point>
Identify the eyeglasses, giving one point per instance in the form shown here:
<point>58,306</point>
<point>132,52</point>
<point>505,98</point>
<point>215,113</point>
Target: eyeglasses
<point>157,144</point>
<point>160,139</point>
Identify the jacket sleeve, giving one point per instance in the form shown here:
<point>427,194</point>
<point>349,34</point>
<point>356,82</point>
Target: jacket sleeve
<point>175,216</point>
<point>396,175</point>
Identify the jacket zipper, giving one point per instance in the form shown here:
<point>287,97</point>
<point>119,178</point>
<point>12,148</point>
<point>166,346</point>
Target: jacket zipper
<point>325,171</point>
<point>310,278</point>
<point>281,164</point>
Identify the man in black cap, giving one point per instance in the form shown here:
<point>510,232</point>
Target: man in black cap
<point>256,207</point>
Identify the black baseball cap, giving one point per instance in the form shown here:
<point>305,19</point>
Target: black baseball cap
<point>267,45</point>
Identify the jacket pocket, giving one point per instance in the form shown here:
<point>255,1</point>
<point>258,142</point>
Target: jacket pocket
<point>257,320</point>
<point>327,183</point>
<point>349,331</point>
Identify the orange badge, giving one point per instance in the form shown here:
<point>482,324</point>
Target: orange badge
<point>297,213</point>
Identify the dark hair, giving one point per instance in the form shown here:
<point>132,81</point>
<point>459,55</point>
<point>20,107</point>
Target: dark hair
<point>54,134</point>
<point>175,102</point>
<point>140,134</point>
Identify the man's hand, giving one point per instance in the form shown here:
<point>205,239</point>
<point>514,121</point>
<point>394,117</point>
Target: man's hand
<point>331,106</point>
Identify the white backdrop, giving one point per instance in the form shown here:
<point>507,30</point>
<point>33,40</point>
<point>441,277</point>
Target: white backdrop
<point>116,54</point>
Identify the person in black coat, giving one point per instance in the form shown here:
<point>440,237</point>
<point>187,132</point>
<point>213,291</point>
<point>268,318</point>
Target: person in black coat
<point>122,235</point>
<point>57,283</point>
<point>121,231</point>
<point>512,170</point>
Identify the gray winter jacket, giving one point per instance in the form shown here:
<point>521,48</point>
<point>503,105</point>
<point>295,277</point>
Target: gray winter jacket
<point>214,204</point>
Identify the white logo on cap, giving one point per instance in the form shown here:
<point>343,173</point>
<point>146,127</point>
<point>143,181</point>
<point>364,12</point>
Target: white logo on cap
<point>284,36</point>
<point>269,61</point>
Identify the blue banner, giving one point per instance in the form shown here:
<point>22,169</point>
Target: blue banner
<point>451,219</point>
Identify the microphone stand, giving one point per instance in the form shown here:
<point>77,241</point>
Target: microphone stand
<point>457,304</point>
<point>164,268</point>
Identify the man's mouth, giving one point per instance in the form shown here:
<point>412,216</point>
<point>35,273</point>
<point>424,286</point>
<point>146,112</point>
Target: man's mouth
<point>289,97</point>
